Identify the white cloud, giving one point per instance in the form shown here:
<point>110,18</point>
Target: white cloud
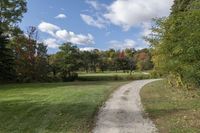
<point>146,28</point>
<point>51,43</point>
<point>60,16</point>
<point>80,39</point>
<point>99,22</point>
<point>48,28</point>
<point>127,43</point>
<point>95,4</point>
<point>87,49</point>
<point>129,13</point>
<point>63,35</point>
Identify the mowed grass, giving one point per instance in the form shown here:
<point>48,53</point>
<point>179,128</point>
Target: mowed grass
<point>52,107</point>
<point>172,110</point>
<point>113,76</point>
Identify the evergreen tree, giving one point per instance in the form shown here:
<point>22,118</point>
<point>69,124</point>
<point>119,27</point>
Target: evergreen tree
<point>6,59</point>
<point>11,12</point>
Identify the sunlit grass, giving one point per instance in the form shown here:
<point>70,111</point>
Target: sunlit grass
<point>172,110</point>
<point>52,107</point>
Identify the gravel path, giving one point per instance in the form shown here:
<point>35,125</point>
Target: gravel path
<point>123,112</point>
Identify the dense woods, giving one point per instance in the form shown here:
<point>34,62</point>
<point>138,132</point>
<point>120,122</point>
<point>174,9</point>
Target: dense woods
<point>176,44</point>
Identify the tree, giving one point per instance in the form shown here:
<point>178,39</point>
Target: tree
<point>94,59</point>
<point>143,58</point>
<point>85,60</point>
<point>30,57</point>
<point>68,61</point>
<point>7,72</point>
<point>41,65</point>
<point>53,62</point>
<point>176,44</point>
<point>181,6</point>
<point>10,13</point>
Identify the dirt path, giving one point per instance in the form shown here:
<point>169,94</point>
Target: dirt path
<point>123,112</point>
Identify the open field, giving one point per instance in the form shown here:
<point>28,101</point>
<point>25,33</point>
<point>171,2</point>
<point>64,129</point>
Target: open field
<point>111,76</point>
<point>172,110</point>
<point>52,107</point>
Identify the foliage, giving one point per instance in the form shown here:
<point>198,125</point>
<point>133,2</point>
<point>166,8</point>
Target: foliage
<point>68,61</point>
<point>176,45</point>
<point>30,57</point>
<point>11,12</point>
<point>7,71</point>
<point>143,58</point>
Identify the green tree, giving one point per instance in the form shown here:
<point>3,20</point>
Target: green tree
<point>94,59</point>
<point>30,57</point>
<point>11,12</point>
<point>41,66</point>
<point>7,72</point>
<point>53,62</point>
<point>181,6</point>
<point>69,61</point>
<point>176,44</point>
<point>85,60</point>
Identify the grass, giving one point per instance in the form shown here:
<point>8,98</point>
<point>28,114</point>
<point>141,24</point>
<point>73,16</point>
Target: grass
<point>172,110</point>
<point>112,76</point>
<point>52,107</point>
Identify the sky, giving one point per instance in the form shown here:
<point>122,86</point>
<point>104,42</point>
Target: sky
<point>94,24</point>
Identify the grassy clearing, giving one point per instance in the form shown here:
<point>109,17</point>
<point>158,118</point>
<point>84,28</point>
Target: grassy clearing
<point>172,110</point>
<point>52,107</point>
<point>112,76</point>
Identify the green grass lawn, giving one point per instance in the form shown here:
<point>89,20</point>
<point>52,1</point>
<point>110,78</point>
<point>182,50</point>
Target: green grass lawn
<point>111,76</point>
<point>172,110</point>
<point>52,107</point>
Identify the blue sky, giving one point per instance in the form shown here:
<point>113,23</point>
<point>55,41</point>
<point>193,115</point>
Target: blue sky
<point>101,24</point>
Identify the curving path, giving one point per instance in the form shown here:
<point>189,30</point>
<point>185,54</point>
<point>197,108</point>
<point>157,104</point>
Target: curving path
<point>123,112</point>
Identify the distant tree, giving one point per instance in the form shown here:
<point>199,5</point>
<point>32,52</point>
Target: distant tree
<point>69,62</point>
<point>94,59</point>
<point>111,54</point>
<point>41,66</point>
<point>53,62</point>
<point>85,60</point>
<point>143,58</point>
<point>103,61</point>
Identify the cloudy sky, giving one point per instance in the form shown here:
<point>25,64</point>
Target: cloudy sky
<point>90,24</point>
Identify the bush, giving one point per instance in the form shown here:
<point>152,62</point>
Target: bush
<point>115,77</point>
<point>72,77</point>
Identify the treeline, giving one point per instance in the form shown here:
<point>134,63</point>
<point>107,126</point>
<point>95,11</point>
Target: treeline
<point>70,59</point>
<point>24,59</point>
<point>176,44</point>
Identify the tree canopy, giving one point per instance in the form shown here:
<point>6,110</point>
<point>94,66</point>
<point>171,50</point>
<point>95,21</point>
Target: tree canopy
<point>176,44</point>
